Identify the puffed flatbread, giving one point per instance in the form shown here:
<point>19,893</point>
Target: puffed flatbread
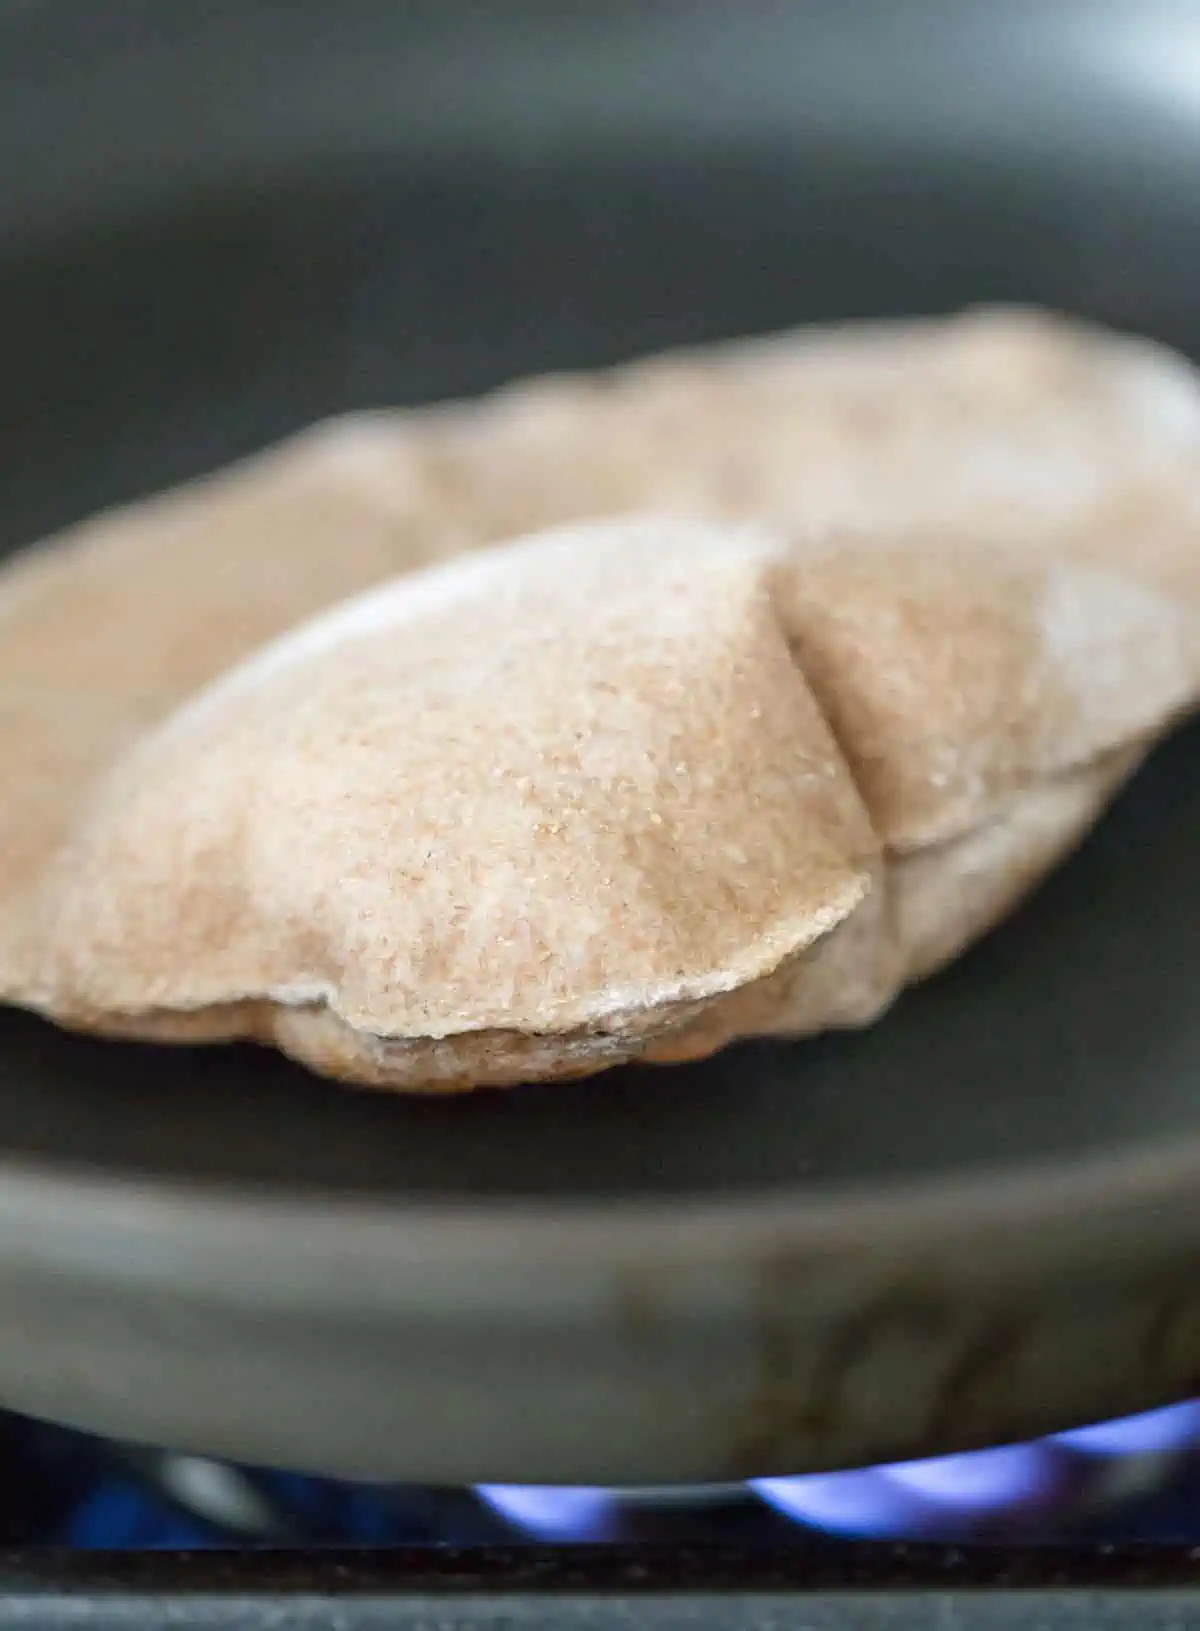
<point>608,792</point>
<point>979,562</point>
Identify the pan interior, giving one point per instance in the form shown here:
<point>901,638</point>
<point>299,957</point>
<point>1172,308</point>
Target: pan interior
<point>157,324</point>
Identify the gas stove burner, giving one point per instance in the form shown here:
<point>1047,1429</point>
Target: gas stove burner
<point>1136,1478</point>
<point>1016,1489</point>
<point>1013,1488</point>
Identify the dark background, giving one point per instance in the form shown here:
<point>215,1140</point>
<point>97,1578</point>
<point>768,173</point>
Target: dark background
<point>221,221</point>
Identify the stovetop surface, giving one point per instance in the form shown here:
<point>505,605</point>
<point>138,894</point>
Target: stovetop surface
<point>819,1585</point>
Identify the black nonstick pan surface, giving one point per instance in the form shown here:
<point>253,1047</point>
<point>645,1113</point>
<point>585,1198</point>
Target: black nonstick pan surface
<point>977,1221</point>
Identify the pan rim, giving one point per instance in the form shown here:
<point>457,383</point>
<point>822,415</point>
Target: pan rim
<point>51,1217</point>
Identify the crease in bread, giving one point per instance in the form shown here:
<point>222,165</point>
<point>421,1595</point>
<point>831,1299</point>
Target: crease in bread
<point>880,619</point>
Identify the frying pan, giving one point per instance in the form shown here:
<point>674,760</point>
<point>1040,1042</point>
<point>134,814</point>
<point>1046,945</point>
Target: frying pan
<point>979,1220</point>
